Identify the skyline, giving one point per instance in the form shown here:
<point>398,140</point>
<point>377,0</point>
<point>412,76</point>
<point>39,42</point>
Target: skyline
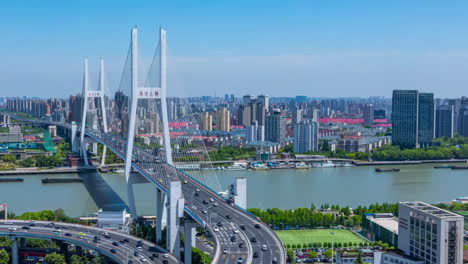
<point>315,49</point>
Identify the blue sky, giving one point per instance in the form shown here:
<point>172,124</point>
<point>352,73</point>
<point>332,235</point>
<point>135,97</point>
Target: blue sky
<point>282,48</point>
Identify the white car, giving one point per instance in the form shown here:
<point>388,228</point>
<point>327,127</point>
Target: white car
<point>264,248</point>
<point>13,228</point>
<point>211,200</point>
<point>216,229</point>
<point>225,251</point>
<point>166,255</point>
<point>205,211</point>
<point>143,259</point>
<point>235,231</point>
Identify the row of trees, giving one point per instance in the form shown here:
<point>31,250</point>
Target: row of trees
<point>232,153</point>
<point>312,218</point>
<point>391,153</point>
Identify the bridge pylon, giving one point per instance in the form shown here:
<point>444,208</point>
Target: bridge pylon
<point>137,93</point>
<point>87,95</point>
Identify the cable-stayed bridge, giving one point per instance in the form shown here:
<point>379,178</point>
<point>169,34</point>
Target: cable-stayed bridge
<point>183,200</point>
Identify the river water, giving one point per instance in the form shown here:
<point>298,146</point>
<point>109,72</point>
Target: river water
<point>284,188</point>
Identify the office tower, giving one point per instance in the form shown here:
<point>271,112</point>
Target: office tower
<point>257,112</point>
<point>445,121</point>
<point>456,103</point>
<point>314,114</point>
<point>275,127</point>
<point>247,98</point>
<point>463,117</point>
<point>426,116</point>
<point>265,101</point>
<point>306,135</point>
<point>254,132</point>
<point>296,116</point>
<point>222,120</point>
<point>368,114</point>
<point>206,121</point>
<point>405,118</point>
<point>430,233</point>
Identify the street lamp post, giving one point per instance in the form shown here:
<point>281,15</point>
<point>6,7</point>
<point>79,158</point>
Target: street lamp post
<point>333,244</point>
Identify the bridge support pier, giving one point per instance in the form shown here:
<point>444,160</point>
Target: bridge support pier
<point>74,144</point>
<point>14,250</point>
<point>174,213</point>
<point>131,196</point>
<point>189,235</point>
<point>103,159</point>
<point>161,214</point>
<point>22,242</point>
<point>238,192</point>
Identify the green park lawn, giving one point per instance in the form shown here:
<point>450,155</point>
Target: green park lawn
<point>317,235</point>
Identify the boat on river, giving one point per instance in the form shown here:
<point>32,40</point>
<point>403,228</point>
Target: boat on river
<point>387,170</point>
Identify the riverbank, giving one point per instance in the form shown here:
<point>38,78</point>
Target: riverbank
<point>36,170</point>
<point>406,162</point>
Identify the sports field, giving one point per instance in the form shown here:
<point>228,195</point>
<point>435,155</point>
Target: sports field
<point>317,235</point>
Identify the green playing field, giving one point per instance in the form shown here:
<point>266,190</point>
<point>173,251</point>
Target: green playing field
<point>317,235</point>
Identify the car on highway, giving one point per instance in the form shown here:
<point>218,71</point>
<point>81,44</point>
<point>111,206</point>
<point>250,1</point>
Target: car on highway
<point>216,229</point>
<point>156,255</point>
<point>32,224</point>
<point>81,234</point>
<point>235,231</point>
<point>197,194</point>
<point>142,259</point>
<point>12,228</point>
<point>257,226</point>
<point>126,240</point>
<point>241,244</point>
<point>113,251</point>
<point>239,260</point>
<point>220,224</point>
<point>205,211</point>
<point>216,204</point>
<point>228,216</point>
<point>135,253</point>
<point>242,227</point>
<point>185,181</point>
<point>264,248</point>
<point>205,201</point>
<point>25,227</point>
<point>68,234</point>
<point>233,239</point>
<point>253,240</point>
<point>115,243</point>
<point>166,255</point>
<point>211,200</point>
<point>255,255</point>
<point>139,248</point>
<point>225,251</point>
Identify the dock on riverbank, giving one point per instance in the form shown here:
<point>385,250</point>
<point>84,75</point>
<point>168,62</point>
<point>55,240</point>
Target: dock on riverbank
<point>35,170</point>
<point>405,162</point>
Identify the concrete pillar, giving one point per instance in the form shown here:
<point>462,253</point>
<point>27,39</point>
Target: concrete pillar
<point>239,192</point>
<point>175,211</point>
<point>79,250</point>
<point>74,145</point>
<point>14,250</point>
<point>161,212</point>
<point>189,234</point>
<point>131,197</point>
<point>22,242</point>
<point>64,249</point>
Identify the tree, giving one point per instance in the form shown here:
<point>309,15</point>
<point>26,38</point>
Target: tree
<point>4,257</point>
<point>312,254</point>
<point>304,245</point>
<point>75,259</point>
<point>55,258</point>
<point>359,259</point>
<point>290,254</point>
<point>9,158</point>
<point>328,253</point>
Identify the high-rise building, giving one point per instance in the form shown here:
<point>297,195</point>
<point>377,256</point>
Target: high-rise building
<point>463,117</point>
<point>223,120</point>
<point>456,103</point>
<point>247,98</point>
<point>405,118</point>
<point>265,101</point>
<point>426,117</point>
<point>306,135</point>
<point>296,116</point>
<point>368,114</point>
<point>445,121</point>
<point>275,127</point>
<point>254,132</point>
<point>206,121</point>
<point>429,233</point>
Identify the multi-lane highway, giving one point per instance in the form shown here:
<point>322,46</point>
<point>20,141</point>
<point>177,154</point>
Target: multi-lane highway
<point>240,237</point>
<point>119,247</point>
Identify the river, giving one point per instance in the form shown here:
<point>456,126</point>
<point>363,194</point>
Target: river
<point>284,188</point>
